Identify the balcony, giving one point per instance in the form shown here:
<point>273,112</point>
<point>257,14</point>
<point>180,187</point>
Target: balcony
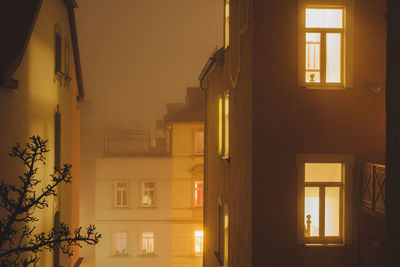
<point>134,142</point>
<point>373,192</point>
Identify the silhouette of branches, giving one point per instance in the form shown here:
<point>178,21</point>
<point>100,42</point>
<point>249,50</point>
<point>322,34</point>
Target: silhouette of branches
<point>19,242</point>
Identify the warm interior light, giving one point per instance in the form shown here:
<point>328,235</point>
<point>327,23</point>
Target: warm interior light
<point>323,172</point>
<point>226,23</point>
<point>324,18</point>
<point>313,55</point>
<point>332,210</point>
<point>311,208</point>
<point>220,126</point>
<point>198,237</point>
<point>333,58</point>
<point>226,239</point>
<point>226,150</point>
<point>147,242</point>
<point>323,180</point>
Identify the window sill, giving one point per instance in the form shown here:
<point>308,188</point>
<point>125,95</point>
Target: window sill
<point>226,160</point>
<point>122,208</point>
<point>144,207</point>
<point>148,255</point>
<point>121,255</point>
<point>313,245</point>
<point>326,88</point>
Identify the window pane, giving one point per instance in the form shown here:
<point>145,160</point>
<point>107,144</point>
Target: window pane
<point>313,53</point>
<point>226,151</point>
<point>198,246</point>
<point>119,198</point>
<point>124,198</point>
<point>323,172</point>
<point>332,211</point>
<point>220,126</point>
<point>311,211</point>
<point>121,242</point>
<point>324,18</point>
<point>333,57</point>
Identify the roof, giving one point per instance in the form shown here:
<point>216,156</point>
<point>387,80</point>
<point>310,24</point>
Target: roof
<point>17,20</point>
<point>191,111</point>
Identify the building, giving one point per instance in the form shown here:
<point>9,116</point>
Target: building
<point>149,194</point>
<point>295,108</point>
<point>40,92</point>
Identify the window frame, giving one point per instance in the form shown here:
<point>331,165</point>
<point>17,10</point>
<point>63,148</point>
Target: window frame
<point>224,122</point>
<point>142,253</point>
<point>142,183</point>
<point>347,40</point>
<point>196,131</point>
<point>194,193</point>
<point>195,243</point>
<point>227,24</point>
<point>346,198</point>
<point>126,191</point>
<point>114,252</point>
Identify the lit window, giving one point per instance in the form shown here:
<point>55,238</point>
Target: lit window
<point>324,191</point>
<point>121,194</point>
<point>220,119</point>
<point>121,243</point>
<point>227,24</point>
<point>148,194</point>
<point>223,235</point>
<point>226,127</point>
<point>223,126</point>
<point>198,242</point>
<point>226,236</point>
<point>199,142</point>
<point>147,243</point>
<point>198,194</point>
<point>324,47</point>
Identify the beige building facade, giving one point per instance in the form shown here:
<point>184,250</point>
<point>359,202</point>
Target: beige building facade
<point>149,200</point>
<point>40,92</point>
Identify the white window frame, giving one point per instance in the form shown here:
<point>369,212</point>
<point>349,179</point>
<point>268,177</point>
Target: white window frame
<point>347,39</point>
<point>201,240</point>
<point>122,190</point>
<point>347,161</point>
<point>146,253</point>
<point>114,252</point>
<point>142,190</point>
<point>195,148</point>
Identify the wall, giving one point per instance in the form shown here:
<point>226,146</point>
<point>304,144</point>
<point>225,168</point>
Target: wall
<point>29,110</point>
<point>289,120</point>
<point>231,182</point>
<point>174,219</point>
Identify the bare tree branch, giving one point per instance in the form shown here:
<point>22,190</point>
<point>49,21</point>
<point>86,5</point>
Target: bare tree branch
<point>19,245</point>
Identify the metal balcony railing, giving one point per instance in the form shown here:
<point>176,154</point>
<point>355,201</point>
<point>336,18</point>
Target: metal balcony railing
<point>373,192</point>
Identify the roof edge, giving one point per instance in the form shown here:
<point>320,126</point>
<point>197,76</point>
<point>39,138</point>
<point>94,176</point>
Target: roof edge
<point>6,80</point>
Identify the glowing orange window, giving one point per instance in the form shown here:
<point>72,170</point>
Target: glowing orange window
<point>324,61</point>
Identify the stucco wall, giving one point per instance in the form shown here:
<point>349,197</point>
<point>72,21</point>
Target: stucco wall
<point>289,120</point>
<point>29,110</point>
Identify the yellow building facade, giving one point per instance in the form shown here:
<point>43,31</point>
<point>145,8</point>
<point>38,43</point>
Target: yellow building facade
<point>149,199</point>
<point>40,92</point>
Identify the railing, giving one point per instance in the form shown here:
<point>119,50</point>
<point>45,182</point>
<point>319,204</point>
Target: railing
<point>373,192</point>
<point>128,141</point>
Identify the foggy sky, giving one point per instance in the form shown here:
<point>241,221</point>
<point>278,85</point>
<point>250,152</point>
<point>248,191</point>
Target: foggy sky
<point>137,55</point>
